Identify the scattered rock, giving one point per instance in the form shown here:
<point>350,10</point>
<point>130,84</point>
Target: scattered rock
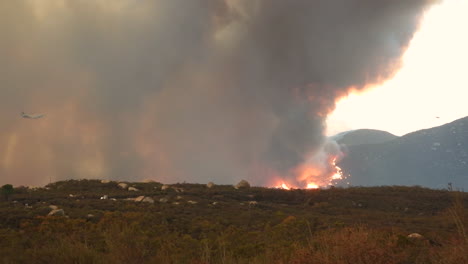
<point>242,184</point>
<point>123,185</point>
<point>163,200</point>
<point>148,200</point>
<point>139,199</point>
<point>253,203</point>
<point>416,236</point>
<point>105,197</point>
<point>165,187</point>
<point>53,207</point>
<point>419,237</point>
<point>191,202</point>
<point>57,212</point>
<point>90,216</point>
<point>105,181</point>
<point>144,199</point>
<point>148,181</point>
<point>133,189</point>
<point>71,195</point>
<point>178,197</point>
<point>210,185</point>
<point>178,190</point>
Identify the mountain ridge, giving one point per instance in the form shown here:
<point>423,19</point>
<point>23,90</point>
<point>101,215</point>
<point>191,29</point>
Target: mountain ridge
<point>363,136</point>
<point>431,157</point>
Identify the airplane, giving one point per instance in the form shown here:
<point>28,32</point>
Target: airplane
<point>24,115</point>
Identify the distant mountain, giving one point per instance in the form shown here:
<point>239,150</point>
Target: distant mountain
<point>363,136</point>
<point>430,157</point>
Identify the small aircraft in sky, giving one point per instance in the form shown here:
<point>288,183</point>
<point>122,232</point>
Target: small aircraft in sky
<point>24,115</point>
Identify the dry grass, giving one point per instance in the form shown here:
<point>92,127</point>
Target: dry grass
<point>317,227</point>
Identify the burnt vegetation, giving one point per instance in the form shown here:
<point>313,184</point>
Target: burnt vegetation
<point>191,223</point>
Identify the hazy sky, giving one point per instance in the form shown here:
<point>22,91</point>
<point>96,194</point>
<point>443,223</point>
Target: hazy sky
<point>189,90</point>
<point>433,81</point>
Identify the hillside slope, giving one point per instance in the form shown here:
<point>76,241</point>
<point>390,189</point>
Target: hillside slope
<point>431,157</point>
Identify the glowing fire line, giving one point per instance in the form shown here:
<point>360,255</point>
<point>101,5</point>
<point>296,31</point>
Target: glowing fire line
<point>306,173</point>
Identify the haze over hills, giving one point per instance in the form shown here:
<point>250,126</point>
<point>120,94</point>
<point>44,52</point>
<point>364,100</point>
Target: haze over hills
<point>431,157</point>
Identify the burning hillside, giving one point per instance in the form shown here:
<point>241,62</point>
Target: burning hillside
<point>319,170</point>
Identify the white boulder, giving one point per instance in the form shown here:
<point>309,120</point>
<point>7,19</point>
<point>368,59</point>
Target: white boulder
<point>57,212</point>
<point>144,199</point>
<point>178,190</point>
<point>123,185</point>
<point>139,199</point>
<point>242,184</point>
<point>148,200</point>
<point>415,236</point>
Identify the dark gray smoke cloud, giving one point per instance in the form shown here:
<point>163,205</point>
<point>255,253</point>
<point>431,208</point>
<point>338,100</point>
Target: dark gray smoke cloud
<point>176,90</point>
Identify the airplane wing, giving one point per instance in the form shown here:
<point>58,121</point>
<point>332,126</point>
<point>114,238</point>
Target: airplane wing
<point>37,116</point>
<point>24,115</point>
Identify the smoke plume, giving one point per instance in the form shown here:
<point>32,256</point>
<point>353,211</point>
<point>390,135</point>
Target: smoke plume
<point>177,90</point>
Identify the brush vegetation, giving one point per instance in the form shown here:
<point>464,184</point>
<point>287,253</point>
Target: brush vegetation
<point>195,224</point>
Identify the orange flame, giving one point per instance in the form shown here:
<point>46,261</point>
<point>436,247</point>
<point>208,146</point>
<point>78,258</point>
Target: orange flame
<point>312,186</point>
<point>313,176</point>
<point>283,185</point>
